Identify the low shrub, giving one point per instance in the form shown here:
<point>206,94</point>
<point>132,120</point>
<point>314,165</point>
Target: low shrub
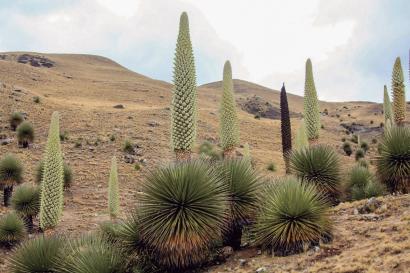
<point>12,229</point>
<point>26,202</point>
<point>347,148</point>
<point>359,154</point>
<point>363,184</point>
<point>128,147</point>
<point>271,167</point>
<point>25,134</point>
<point>36,99</point>
<point>15,119</point>
<point>11,174</point>
<point>364,145</point>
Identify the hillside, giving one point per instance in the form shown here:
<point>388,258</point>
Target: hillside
<point>85,89</point>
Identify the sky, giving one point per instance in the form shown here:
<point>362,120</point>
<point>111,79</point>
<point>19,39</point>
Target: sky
<point>352,43</point>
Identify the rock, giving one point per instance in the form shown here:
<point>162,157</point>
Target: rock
<point>243,262</point>
<point>355,211</point>
<point>261,269</point>
<point>371,206</point>
<point>6,141</point>
<point>316,248</point>
<point>153,123</point>
<point>119,106</point>
<point>371,217</point>
<point>227,251</point>
<point>129,159</point>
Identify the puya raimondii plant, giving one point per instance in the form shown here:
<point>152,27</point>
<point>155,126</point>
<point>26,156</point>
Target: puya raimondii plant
<point>52,198</point>
<point>113,194</point>
<point>184,101</point>
<point>229,131</point>
<point>311,105</point>
<point>286,130</point>
<point>399,94</point>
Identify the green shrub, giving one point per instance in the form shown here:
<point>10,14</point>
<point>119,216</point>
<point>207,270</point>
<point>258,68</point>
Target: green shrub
<point>242,183</point>
<point>68,174</point>
<point>12,229</point>
<point>37,255</point>
<point>343,139</point>
<point>112,138</point>
<point>393,163</point>
<point>364,145</point>
<point>128,147</point>
<point>15,119</point>
<point>78,144</point>
<point>271,167</point>
<point>359,154</point>
<point>91,254</point>
<point>182,207</point>
<point>26,202</point>
<point>354,139</point>
<point>363,163</point>
<point>137,166</point>
<point>11,172</point>
<point>320,166</point>
<point>36,99</point>
<point>64,136</point>
<point>292,215</point>
<point>208,151</point>
<point>347,148</point>
<point>25,134</point>
<point>363,184</point>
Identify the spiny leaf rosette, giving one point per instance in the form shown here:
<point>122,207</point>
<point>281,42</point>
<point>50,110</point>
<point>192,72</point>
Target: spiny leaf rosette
<point>229,130</point>
<point>242,183</point>
<point>40,254</point>
<point>399,93</point>
<point>12,229</point>
<point>362,184</point>
<point>91,253</point>
<point>51,200</point>
<point>286,129</point>
<point>11,171</point>
<point>113,193</point>
<point>311,105</point>
<point>182,210</point>
<point>387,108</point>
<point>184,101</point>
<point>293,215</point>
<point>318,165</point>
<point>26,202</point>
<point>393,161</point>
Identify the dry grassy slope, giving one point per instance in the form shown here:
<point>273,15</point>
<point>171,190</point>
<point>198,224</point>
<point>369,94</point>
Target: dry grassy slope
<point>84,89</point>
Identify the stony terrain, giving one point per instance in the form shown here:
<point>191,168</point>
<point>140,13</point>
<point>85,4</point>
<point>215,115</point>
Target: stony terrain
<point>102,104</point>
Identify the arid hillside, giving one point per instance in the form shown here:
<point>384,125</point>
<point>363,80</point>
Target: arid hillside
<point>102,104</point>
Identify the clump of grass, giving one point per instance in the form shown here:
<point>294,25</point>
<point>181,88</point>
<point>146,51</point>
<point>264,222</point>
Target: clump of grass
<point>12,229</point>
<point>11,173</point>
<point>354,139</point>
<point>64,136</point>
<point>25,134</point>
<point>293,215</point>
<point>360,153</point>
<point>128,147</point>
<point>271,167</point>
<point>363,184</point>
<point>40,254</point>
<point>347,148</point>
<point>112,138</point>
<point>36,99</point>
<point>363,163</point>
<point>78,143</point>
<point>137,166</point>
<point>208,151</point>
<point>15,119</point>
<point>364,145</point>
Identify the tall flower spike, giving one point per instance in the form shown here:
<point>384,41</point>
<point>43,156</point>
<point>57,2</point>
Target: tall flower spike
<point>52,198</point>
<point>229,131</point>
<point>399,94</point>
<point>301,137</point>
<point>311,105</point>
<point>184,105</point>
<point>387,109</point>
<point>285,127</point>
<point>113,193</point>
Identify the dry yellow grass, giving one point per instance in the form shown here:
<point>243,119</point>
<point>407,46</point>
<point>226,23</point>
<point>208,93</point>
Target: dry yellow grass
<point>85,88</point>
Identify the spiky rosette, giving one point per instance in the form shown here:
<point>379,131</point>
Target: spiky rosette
<point>320,166</point>
<point>393,162</point>
<point>292,216</point>
<point>229,130</point>
<point>182,210</point>
<point>399,94</point>
<point>184,105</point>
<point>51,200</point>
<point>311,105</point>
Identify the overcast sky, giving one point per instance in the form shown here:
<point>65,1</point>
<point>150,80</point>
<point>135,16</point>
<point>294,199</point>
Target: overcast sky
<point>352,43</point>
